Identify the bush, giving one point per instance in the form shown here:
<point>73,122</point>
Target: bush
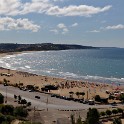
<point>122,98</point>
<point>79,121</point>
<point>102,113</point>
<point>92,116</point>
<point>108,112</point>
<point>7,109</point>
<point>72,119</point>
<point>120,110</point>
<point>9,118</point>
<point>1,105</point>
<point>2,118</point>
<point>114,111</point>
<point>30,122</point>
<point>1,99</point>
<point>117,121</point>
<point>20,111</point>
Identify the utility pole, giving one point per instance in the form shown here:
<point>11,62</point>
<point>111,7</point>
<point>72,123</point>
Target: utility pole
<point>6,95</point>
<point>34,113</point>
<point>87,94</point>
<point>47,103</point>
<point>8,71</point>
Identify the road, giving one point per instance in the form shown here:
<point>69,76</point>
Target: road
<point>53,103</point>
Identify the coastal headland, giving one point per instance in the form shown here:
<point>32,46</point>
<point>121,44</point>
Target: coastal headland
<point>12,47</point>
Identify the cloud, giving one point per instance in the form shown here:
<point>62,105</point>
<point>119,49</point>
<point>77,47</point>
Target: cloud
<point>61,26</point>
<point>37,6</point>
<point>94,31</point>
<point>81,10</point>
<point>8,23</point>
<point>55,31</point>
<point>57,0</point>
<point>115,27</point>
<point>74,25</point>
<point>17,7</point>
<point>10,7</point>
<point>65,30</point>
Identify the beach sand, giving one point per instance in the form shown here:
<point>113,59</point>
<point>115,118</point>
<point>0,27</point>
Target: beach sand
<point>65,86</point>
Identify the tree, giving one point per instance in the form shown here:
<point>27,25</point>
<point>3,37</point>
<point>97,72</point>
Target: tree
<point>7,109</point>
<point>92,116</point>
<point>122,97</point>
<point>5,81</point>
<point>114,111</point>
<point>117,121</point>
<point>71,94</point>
<point>78,94</point>
<point>72,119</point>
<point>2,118</point>
<point>36,88</point>
<point>9,118</point>
<point>20,111</point>
<point>1,99</point>
<point>108,112</point>
<point>102,113</point>
<point>20,84</point>
<point>120,110</point>
<point>79,121</point>
<point>82,93</point>
<point>97,98</point>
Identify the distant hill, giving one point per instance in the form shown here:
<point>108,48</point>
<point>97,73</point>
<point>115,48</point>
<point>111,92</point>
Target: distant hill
<point>11,47</point>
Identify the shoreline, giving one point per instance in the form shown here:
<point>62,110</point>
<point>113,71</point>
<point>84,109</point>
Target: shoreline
<point>65,85</point>
<point>96,79</point>
<point>14,53</point>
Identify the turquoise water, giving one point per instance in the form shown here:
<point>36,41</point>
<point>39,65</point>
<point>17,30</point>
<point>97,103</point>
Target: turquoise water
<point>104,65</point>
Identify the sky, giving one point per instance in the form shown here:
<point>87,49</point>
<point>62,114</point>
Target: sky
<point>84,22</point>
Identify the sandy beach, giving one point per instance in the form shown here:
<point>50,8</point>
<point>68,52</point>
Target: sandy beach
<point>65,86</point>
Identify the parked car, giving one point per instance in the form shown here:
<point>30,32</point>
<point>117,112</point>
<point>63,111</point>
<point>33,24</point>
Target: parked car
<point>30,90</point>
<point>85,101</point>
<point>91,102</point>
<point>38,97</point>
<point>114,104</point>
<point>53,95</point>
<point>24,89</point>
<point>81,100</point>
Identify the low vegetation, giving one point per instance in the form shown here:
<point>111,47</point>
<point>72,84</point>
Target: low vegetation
<point>8,113</point>
<point>94,116</point>
<point>27,122</point>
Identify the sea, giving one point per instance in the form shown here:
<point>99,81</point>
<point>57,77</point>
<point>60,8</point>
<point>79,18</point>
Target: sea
<point>105,65</point>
